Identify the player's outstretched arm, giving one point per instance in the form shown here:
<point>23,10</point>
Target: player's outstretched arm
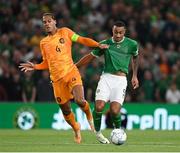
<point>91,43</point>
<point>85,60</point>
<point>29,66</point>
<point>134,81</point>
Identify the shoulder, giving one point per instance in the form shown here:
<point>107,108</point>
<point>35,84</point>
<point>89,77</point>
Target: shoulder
<point>64,29</point>
<point>44,40</point>
<point>131,41</point>
<point>105,41</point>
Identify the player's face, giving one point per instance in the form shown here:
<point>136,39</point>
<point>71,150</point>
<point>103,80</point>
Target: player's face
<point>49,24</point>
<point>118,33</point>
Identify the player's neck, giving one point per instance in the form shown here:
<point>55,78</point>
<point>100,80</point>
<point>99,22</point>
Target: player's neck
<point>114,41</point>
<point>53,32</point>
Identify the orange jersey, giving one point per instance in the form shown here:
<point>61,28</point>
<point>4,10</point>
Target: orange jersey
<point>56,52</point>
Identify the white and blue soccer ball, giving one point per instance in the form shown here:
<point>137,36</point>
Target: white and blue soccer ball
<point>118,136</point>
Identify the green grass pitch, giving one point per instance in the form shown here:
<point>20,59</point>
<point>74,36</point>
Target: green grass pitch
<point>62,141</point>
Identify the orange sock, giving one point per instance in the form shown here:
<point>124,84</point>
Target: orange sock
<point>70,119</point>
<point>87,111</point>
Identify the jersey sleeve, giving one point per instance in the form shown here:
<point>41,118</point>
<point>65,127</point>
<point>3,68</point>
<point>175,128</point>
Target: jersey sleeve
<point>72,35</point>
<point>134,48</point>
<point>82,40</point>
<point>42,52</point>
<point>43,65</point>
<point>97,52</point>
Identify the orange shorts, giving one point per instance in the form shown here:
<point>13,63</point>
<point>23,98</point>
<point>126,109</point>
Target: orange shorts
<point>63,87</point>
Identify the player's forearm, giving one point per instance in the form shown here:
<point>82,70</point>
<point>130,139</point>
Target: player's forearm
<point>85,60</point>
<point>87,42</point>
<point>41,66</point>
<point>135,62</point>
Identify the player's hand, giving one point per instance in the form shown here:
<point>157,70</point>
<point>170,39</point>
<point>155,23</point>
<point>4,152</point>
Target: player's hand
<point>135,82</point>
<point>29,66</point>
<point>103,46</point>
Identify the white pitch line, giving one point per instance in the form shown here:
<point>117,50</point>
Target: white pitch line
<point>94,144</point>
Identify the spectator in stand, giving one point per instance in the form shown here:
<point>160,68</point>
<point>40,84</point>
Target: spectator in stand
<point>173,94</point>
<point>29,88</point>
<point>161,88</point>
<point>148,87</point>
<point>154,24</point>
<point>16,86</point>
<point>44,88</point>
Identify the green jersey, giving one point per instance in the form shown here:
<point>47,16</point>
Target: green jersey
<point>118,55</point>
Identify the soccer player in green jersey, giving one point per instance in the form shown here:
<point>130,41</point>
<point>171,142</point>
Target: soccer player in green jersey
<point>113,82</point>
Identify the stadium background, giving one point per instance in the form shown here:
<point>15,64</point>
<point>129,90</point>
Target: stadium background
<point>154,24</point>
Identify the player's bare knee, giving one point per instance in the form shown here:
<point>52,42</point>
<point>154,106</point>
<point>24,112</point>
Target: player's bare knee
<point>66,112</point>
<point>115,108</point>
<point>80,101</point>
<point>99,107</point>
<point>115,111</point>
<point>65,108</point>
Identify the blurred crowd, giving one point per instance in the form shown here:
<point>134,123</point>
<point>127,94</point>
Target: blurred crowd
<point>155,24</point>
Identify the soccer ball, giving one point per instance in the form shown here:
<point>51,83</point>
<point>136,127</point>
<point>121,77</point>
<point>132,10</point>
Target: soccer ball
<point>118,136</point>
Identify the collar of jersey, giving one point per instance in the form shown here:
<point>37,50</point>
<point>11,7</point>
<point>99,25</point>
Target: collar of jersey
<point>118,41</point>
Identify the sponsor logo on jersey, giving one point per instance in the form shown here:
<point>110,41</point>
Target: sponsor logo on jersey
<point>61,41</point>
<point>118,46</point>
<point>58,99</point>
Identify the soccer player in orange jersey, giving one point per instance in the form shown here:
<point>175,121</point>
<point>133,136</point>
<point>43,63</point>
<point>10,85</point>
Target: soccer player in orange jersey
<point>66,79</point>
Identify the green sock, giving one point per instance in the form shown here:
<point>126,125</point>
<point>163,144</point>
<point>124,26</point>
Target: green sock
<point>116,119</point>
<point>97,120</point>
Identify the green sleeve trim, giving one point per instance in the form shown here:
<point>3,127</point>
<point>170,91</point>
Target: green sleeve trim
<point>74,37</point>
<point>136,53</point>
<point>94,55</point>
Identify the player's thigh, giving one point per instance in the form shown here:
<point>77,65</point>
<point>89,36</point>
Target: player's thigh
<point>102,90</point>
<point>61,92</point>
<point>75,85</point>
<point>119,90</point>
<point>78,93</point>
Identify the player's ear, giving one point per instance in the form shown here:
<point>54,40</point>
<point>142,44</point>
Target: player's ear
<point>55,22</point>
<point>124,30</point>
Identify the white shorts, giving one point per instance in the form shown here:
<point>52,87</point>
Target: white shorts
<point>111,88</point>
